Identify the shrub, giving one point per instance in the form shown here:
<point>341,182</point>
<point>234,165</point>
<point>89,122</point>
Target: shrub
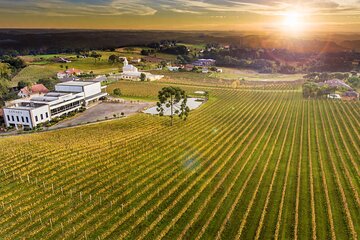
<point>117,92</point>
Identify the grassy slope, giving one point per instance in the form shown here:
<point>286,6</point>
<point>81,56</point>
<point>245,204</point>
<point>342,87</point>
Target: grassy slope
<point>213,174</point>
<point>33,73</point>
<point>41,66</point>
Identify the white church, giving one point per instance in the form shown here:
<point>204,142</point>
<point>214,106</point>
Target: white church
<point>131,72</point>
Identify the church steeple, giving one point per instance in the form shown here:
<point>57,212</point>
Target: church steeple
<point>125,62</point>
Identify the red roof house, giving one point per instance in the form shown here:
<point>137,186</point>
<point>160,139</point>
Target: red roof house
<point>73,71</point>
<point>34,89</point>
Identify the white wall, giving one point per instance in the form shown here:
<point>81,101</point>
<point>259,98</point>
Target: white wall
<point>66,88</point>
<point>38,111</point>
<point>19,117</point>
<point>26,116</point>
<point>92,89</point>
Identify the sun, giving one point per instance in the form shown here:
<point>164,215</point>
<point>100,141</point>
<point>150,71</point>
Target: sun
<point>292,19</point>
<point>293,22</point>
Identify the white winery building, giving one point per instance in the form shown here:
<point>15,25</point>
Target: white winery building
<point>68,97</point>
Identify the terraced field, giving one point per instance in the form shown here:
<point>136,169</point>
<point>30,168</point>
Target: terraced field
<point>246,165</point>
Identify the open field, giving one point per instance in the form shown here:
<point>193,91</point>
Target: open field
<point>251,75</point>
<point>229,78</point>
<point>246,165</point>
<point>145,90</point>
<point>101,66</point>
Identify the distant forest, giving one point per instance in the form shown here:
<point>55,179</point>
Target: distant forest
<point>24,42</point>
<point>34,42</point>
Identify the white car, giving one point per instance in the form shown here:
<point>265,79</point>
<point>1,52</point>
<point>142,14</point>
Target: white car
<point>334,96</point>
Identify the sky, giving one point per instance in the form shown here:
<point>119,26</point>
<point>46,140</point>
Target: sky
<point>233,15</point>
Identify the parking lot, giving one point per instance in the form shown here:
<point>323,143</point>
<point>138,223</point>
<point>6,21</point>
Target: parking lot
<point>103,111</point>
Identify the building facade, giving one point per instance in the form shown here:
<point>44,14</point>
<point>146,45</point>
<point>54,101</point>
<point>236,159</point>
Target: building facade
<point>68,97</point>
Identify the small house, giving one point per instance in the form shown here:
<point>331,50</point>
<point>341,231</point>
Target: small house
<point>204,62</point>
<point>173,69</point>
<point>68,73</point>
<point>35,89</point>
<point>189,67</point>
<point>73,71</point>
<point>205,70</point>
<point>136,60</point>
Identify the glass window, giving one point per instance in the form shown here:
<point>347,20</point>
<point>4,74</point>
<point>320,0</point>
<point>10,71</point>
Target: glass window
<point>22,119</point>
<point>8,117</point>
<point>17,118</point>
<point>41,116</point>
<point>47,115</point>
<point>27,119</point>
<point>36,118</point>
<point>12,117</point>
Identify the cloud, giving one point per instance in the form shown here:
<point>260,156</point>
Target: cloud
<point>79,8</point>
<point>272,7</point>
<point>151,7</point>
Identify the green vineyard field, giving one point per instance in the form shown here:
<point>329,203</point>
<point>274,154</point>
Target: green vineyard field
<point>245,165</point>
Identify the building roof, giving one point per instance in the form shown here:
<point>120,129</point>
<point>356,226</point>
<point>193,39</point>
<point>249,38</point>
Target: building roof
<point>26,105</point>
<point>55,98</point>
<point>75,83</point>
<point>73,71</point>
<point>68,79</point>
<point>206,60</point>
<point>25,90</point>
<point>130,68</point>
<point>39,88</point>
<point>351,94</point>
<point>335,83</point>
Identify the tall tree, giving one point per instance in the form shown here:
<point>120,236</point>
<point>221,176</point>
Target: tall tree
<point>142,77</point>
<point>168,97</point>
<point>113,58</point>
<point>22,84</point>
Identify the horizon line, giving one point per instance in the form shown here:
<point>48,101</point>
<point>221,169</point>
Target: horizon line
<point>267,31</point>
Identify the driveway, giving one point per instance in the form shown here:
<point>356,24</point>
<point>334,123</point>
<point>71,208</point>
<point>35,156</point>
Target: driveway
<point>103,111</point>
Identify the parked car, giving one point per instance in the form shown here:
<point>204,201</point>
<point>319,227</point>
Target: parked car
<point>334,96</point>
